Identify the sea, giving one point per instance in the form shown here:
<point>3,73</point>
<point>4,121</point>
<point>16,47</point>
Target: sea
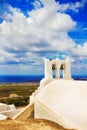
<point>30,78</point>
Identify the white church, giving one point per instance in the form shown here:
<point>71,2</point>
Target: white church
<point>61,99</point>
<point>58,98</point>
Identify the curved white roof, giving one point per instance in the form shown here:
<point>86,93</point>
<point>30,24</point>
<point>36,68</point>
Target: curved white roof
<point>67,98</point>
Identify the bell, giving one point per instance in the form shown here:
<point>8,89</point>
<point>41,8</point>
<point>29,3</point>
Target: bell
<point>53,67</point>
<point>62,67</point>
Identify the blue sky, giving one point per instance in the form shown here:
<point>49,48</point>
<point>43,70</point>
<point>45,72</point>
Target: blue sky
<point>33,29</point>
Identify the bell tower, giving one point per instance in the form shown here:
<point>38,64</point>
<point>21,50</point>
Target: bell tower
<point>56,65</point>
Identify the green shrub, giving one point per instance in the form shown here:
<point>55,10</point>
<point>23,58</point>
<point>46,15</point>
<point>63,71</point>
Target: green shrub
<point>17,101</point>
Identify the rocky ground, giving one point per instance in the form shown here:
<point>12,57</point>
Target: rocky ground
<point>30,124</point>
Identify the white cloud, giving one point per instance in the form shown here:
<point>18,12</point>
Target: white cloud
<point>69,6</point>
<point>44,25</point>
<point>80,59</point>
<point>80,50</point>
<point>45,29</point>
<point>37,4</point>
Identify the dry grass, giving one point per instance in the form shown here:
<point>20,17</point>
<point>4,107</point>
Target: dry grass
<point>30,124</point>
<point>23,90</point>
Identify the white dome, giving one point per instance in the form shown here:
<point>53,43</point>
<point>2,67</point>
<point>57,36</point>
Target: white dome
<point>67,98</point>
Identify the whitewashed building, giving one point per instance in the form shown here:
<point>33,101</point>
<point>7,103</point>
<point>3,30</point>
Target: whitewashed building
<point>61,99</point>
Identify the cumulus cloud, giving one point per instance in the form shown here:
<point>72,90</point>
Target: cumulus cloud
<point>42,29</point>
<point>45,29</point>
<point>79,54</point>
<point>80,50</point>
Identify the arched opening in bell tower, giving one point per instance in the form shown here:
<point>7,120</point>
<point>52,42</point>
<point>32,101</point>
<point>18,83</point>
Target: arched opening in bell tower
<point>54,70</point>
<point>62,67</point>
